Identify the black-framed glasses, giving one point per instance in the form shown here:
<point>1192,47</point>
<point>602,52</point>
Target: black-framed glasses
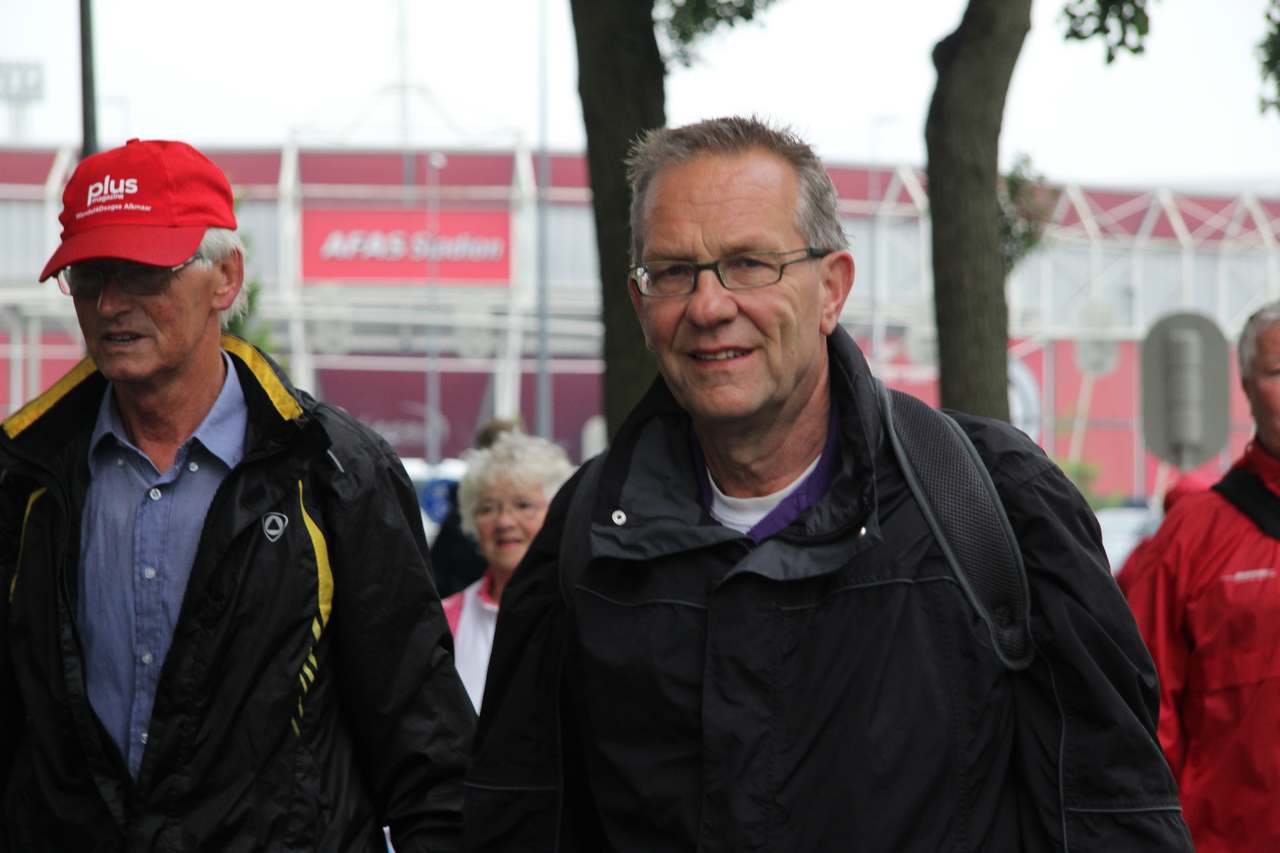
<point>85,280</point>
<point>741,271</point>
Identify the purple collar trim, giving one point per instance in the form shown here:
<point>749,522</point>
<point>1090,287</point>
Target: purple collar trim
<point>788,510</point>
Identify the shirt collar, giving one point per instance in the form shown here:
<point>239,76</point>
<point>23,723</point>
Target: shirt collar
<point>107,424</point>
<point>486,597</point>
<point>223,428</point>
<point>221,432</point>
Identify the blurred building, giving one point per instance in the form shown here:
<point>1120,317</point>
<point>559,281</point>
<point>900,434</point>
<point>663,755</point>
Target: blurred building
<point>403,286</point>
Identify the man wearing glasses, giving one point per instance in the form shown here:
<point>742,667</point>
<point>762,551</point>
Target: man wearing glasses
<point>217,626</point>
<point>757,643</point>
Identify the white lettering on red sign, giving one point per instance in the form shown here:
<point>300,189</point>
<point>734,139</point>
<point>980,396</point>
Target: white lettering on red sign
<point>373,245</point>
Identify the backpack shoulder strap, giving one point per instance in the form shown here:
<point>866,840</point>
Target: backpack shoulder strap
<point>575,538</point>
<point>960,504</point>
<point>1247,493</point>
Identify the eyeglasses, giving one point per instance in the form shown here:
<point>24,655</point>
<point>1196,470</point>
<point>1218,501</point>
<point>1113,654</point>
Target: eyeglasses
<point>743,271</point>
<point>86,280</point>
<point>524,509</point>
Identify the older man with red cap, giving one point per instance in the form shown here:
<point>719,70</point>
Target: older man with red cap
<point>217,625</point>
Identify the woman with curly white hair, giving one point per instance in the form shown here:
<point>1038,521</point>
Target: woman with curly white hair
<point>503,500</point>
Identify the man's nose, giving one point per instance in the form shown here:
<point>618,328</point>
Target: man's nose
<point>710,303</point>
<point>111,296</point>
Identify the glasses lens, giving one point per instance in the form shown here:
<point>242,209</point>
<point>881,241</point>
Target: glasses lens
<point>86,280</point>
<point>80,280</point>
<point>521,508</point>
<point>666,278</point>
<point>747,271</point>
<point>139,280</point>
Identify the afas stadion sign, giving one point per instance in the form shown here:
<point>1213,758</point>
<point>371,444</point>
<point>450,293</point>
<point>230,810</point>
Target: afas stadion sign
<point>471,247</point>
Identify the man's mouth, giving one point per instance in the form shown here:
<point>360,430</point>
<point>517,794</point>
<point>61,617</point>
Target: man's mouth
<point>719,355</point>
<point>121,338</point>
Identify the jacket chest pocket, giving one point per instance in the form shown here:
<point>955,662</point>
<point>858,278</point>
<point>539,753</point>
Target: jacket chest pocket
<point>886,678</point>
<point>645,654</point>
<point>266,562</point>
<point>887,655</point>
<point>1235,625</point>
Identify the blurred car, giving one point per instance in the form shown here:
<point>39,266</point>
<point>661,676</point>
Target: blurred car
<point>433,484</point>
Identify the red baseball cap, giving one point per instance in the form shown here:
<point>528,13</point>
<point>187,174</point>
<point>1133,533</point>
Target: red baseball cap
<point>147,201</point>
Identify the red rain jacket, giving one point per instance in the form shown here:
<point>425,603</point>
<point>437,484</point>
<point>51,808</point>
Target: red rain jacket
<point>1206,594</point>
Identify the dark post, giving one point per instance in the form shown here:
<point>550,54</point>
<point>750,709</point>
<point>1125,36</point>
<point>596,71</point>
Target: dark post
<point>88,100</point>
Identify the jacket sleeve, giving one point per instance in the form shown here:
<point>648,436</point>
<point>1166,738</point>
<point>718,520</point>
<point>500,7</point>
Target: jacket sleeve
<point>526,788</point>
<point>407,709</point>
<point>1152,581</point>
<point>1091,775</point>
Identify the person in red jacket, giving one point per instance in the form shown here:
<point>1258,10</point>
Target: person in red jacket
<point>1206,595</point>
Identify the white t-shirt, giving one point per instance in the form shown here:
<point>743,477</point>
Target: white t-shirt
<point>742,514</point>
<point>472,615</point>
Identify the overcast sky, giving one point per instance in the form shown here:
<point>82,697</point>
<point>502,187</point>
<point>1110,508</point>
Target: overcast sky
<point>854,76</point>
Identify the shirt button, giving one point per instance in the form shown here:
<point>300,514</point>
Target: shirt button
<point>154,494</point>
<point>147,658</point>
<point>143,737</point>
<point>149,573</point>
<point>119,461</point>
<point>193,467</point>
<point>619,517</point>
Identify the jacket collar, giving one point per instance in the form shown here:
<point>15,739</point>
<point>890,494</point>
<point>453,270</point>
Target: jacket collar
<point>65,413</point>
<point>1261,462</point>
<point>648,504</point>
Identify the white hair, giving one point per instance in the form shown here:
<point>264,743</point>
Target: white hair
<point>1247,349</point>
<point>514,457</point>
<point>219,244</point>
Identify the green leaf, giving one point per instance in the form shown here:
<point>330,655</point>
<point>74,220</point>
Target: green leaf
<point>1123,25</point>
<point>1026,203</point>
<point>686,21</point>
<point>1269,59</point>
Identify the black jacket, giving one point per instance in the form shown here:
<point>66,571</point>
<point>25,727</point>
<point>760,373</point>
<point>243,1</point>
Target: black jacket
<point>309,695</point>
<point>827,689</point>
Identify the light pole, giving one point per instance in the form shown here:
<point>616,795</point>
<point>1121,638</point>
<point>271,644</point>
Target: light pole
<point>88,100</point>
<point>432,416</point>
<point>545,399</point>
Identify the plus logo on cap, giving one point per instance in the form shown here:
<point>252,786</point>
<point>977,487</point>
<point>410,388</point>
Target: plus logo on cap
<point>147,201</point>
<point>108,190</point>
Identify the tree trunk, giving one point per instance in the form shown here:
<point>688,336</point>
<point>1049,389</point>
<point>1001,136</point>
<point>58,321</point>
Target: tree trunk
<point>620,81</point>
<point>962,134</point>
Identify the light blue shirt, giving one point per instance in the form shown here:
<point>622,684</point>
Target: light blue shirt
<point>138,540</point>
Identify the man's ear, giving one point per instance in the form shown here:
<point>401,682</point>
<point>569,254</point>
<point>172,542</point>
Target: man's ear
<point>1247,387</point>
<point>837,273</point>
<point>230,279</point>
<point>637,302</point>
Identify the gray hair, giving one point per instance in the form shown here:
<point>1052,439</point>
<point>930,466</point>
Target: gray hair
<point>520,459</point>
<point>1247,349</point>
<point>817,218</point>
<point>217,245</point>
